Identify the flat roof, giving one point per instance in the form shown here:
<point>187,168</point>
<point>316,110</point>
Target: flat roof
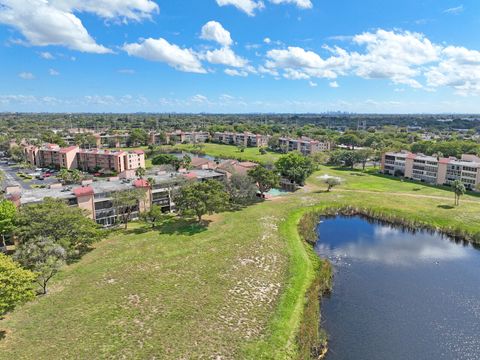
<point>104,186</point>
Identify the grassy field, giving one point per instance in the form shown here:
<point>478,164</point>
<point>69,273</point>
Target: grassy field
<point>232,152</point>
<point>232,290</point>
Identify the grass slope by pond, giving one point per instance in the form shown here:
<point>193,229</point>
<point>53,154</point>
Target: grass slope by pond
<point>234,290</point>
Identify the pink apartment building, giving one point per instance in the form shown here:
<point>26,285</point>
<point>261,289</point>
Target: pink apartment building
<point>73,157</point>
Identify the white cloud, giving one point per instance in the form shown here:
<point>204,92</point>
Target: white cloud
<point>312,84</point>
<point>458,69</point>
<point>199,98</point>
<point>235,72</point>
<point>302,4</point>
<point>454,10</point>
<point>333,84</point>
<point>53,72</point>
<point>214,31</point>
<point>247,6</point>
<point>394,55</point>
<point>267,40</point>
<point>54,22</point>
<point>225,56</point>
<point>161,50</point>
<point>43,24</point>
<point>46,55</point>
<point>110,9</point>
<point>26,75</point>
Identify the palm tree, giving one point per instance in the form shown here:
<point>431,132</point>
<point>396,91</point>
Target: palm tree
<point>64,175</point>
<point>459,190</point>
<point>140,172</point>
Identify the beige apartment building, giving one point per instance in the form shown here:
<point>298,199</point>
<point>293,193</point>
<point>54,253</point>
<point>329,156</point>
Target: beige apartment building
<point>73,157</point>
<point>179,137</point>
<point>241,139</point>
<point>433,170</point>
<point>304,145</point>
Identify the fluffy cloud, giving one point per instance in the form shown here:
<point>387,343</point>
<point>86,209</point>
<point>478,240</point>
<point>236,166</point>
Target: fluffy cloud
<point>398,56</point>
<point>302,4</point>
<point>214,31</point>
<point>458,69</point>
<point>251,6</point>
<point>235,72</point>
<point>44,23</point>
<point>161,50</point>
<point>247,6</point>
<point>225,56</point>
<point>393,55</point>
<point>110,9</point>
<point>53,72</point>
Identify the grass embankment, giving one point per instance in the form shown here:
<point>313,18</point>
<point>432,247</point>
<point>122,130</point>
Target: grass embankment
<point>243,288</point>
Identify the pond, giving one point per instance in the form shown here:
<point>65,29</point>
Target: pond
<point>399,294</point>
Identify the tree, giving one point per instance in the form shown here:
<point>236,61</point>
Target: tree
<point>459,190</point>
<point>295,167</point>
<point>67,226</point>
<point>349,139</point>
<point>186,161</point>
<point>140,172</point>
<point>241,148</point>
<point>273,142</point>
<point>346,158</point>
<point>167,159</point>
<point>201,198</point>
<point>16,284</point>
<point>70,176</point>
<point>44,257</point>
<point>265,179</point>
<point>126,202</point>
<point>85,140</point>
<point>331,182</point>
<point>16,153</point>
<point>242,189</point>
<point>138,137</point>
<point>153,216</point>
<point>8,212</point>
<point>363,156</point>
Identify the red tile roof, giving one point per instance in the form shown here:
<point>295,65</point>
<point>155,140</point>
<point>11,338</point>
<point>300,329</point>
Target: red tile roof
<point>68,149</point>
<point>141,183</point>
<point>83,191</point>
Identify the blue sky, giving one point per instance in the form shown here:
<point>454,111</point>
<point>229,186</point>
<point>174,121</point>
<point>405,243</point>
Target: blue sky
<point>368,56</point>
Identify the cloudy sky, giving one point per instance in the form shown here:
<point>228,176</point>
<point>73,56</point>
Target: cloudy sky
<point>240,55</point>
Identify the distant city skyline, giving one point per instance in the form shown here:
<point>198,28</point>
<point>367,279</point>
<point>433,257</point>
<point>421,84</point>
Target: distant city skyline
<point>240,56</point>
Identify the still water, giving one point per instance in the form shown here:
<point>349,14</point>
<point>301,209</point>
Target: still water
<point>399,294</point>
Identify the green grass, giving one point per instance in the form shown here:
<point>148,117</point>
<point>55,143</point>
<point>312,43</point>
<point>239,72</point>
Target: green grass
<point>232,152</point>
<point>235,289</point>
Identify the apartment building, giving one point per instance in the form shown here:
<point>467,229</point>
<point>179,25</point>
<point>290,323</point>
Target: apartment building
<point>241,139</point>
<point>433,170</point>
<point>304,145</point>
<point>51,155</point>
<point>178,137</point>
<point>73,157</point>
<point>96,197</point>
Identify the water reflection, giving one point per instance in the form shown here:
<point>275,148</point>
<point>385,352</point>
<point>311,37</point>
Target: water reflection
<point>392,246</point>
<point>399,294</point>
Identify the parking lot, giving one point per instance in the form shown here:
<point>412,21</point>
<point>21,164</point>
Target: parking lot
<point>11,173</point>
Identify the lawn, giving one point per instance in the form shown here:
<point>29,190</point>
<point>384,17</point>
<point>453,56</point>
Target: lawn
<point>232,290</point>
<point>232,152</point>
